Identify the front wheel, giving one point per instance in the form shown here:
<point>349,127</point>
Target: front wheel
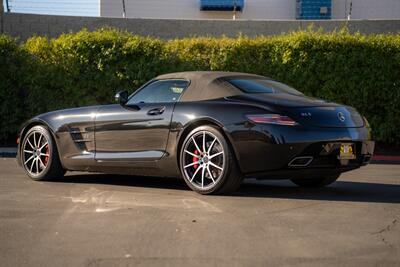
<point>316,181</point>
<point>207,163</point>
<point>39,155</point>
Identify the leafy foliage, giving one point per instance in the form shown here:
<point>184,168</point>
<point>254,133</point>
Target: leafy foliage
<point>12,86</point>
<point>88,67</point>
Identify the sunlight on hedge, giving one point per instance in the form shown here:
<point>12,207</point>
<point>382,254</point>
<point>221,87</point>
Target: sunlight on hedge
<point>88,67</point>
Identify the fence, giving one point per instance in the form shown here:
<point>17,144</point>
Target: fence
<point>26,25</point>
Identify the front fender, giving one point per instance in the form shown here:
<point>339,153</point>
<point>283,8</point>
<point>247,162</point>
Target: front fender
<point>25,128</point>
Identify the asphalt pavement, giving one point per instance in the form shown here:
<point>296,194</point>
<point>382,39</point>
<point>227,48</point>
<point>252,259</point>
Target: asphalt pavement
<point>107,220</point>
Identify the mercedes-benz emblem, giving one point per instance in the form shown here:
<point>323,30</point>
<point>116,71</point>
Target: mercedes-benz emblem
<point>341,116</point>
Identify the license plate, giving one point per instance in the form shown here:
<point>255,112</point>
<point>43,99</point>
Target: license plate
<point>347,151</point>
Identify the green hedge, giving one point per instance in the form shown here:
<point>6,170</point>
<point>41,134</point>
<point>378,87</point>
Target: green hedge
<point>12,87</point>
<point>88,67</point>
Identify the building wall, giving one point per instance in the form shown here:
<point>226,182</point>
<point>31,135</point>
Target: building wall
<point>1,16</point>
<point>26,25</point>
<point>190,9</point>
<point>366,9</point>
<point>253,10</point>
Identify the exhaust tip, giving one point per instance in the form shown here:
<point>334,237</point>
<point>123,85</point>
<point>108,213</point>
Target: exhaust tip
<point>301,161</point>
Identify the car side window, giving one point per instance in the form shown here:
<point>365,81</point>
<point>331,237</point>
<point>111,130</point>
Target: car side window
<point>161,91</point>
<point>255,86</point>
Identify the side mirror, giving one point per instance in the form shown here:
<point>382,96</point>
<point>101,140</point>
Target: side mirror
<point>121,97</point>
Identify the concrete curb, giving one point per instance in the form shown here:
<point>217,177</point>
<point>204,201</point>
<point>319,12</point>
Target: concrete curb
<point>385,159</point>
<point>7,155</point>
<point>11,152</point>
<point>8,152</point>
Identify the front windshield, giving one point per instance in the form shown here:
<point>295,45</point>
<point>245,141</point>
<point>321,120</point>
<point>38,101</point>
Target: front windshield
<point>259,86</point>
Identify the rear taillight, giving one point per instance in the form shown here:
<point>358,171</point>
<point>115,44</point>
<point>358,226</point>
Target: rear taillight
<point>272,119</point>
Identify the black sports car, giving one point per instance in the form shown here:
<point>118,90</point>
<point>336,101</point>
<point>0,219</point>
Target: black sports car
<point>211,128</point>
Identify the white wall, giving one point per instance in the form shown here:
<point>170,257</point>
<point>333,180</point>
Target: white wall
<point>366,9</point>
<point>190,9</point>
<point>1,16</point>
<point>254,9</point>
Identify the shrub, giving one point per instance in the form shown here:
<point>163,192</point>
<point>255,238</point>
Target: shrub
<point>88,67</point>
<point>12,87</point>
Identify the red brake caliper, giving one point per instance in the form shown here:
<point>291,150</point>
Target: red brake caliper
<point>46,159</point>
<point>195,159</point>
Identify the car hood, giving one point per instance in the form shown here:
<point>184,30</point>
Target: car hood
<point>71,112</point>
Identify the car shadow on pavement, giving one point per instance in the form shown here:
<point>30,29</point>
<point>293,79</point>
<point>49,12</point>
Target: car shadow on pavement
<point>124,180</point>
<point>339,191</point>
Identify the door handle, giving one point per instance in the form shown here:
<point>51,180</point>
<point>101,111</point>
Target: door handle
<point>156,111</point>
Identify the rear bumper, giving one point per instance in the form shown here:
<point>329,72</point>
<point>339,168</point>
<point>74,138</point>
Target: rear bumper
<point>267,149</point>
<point>321,159</point>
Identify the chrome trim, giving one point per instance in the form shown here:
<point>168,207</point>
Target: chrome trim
<point>82,140</point>
<point>310,159</point>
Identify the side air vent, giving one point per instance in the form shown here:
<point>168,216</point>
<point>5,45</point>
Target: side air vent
<point>80,137</point>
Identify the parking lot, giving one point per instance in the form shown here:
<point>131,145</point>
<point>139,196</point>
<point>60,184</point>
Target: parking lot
<point>107,220</point>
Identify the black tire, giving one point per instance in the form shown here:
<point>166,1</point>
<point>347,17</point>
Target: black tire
<point>53,168</point>
<point>229,178</point>
<point>316,181</point>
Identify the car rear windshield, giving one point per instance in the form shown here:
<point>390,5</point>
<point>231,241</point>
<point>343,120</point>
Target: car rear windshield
<point>262,86</point>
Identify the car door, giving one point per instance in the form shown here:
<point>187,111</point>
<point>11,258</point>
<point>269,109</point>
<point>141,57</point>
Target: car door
<point>139,129</point>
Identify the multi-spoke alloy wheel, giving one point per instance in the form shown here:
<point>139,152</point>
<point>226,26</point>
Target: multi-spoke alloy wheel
<point>39,156</point>
<point>206,161</point>
<point>35,153</point>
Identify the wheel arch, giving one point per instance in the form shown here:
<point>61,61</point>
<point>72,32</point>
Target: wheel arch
<point>28,125</point>
<point>202,122</point>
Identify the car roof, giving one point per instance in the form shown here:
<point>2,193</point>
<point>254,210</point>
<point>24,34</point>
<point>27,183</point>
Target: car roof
<point>206,85</point>
<point>209,75</point>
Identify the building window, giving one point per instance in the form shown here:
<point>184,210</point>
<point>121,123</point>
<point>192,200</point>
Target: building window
<point>313,9</point>
<point>221,5</point>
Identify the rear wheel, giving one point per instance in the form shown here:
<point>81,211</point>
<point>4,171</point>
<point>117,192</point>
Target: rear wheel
<point>39,155</point>
<point>316,181</point>
<point>207,163</point>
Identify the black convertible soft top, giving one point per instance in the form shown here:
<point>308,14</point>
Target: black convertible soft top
<point>205,85</point>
